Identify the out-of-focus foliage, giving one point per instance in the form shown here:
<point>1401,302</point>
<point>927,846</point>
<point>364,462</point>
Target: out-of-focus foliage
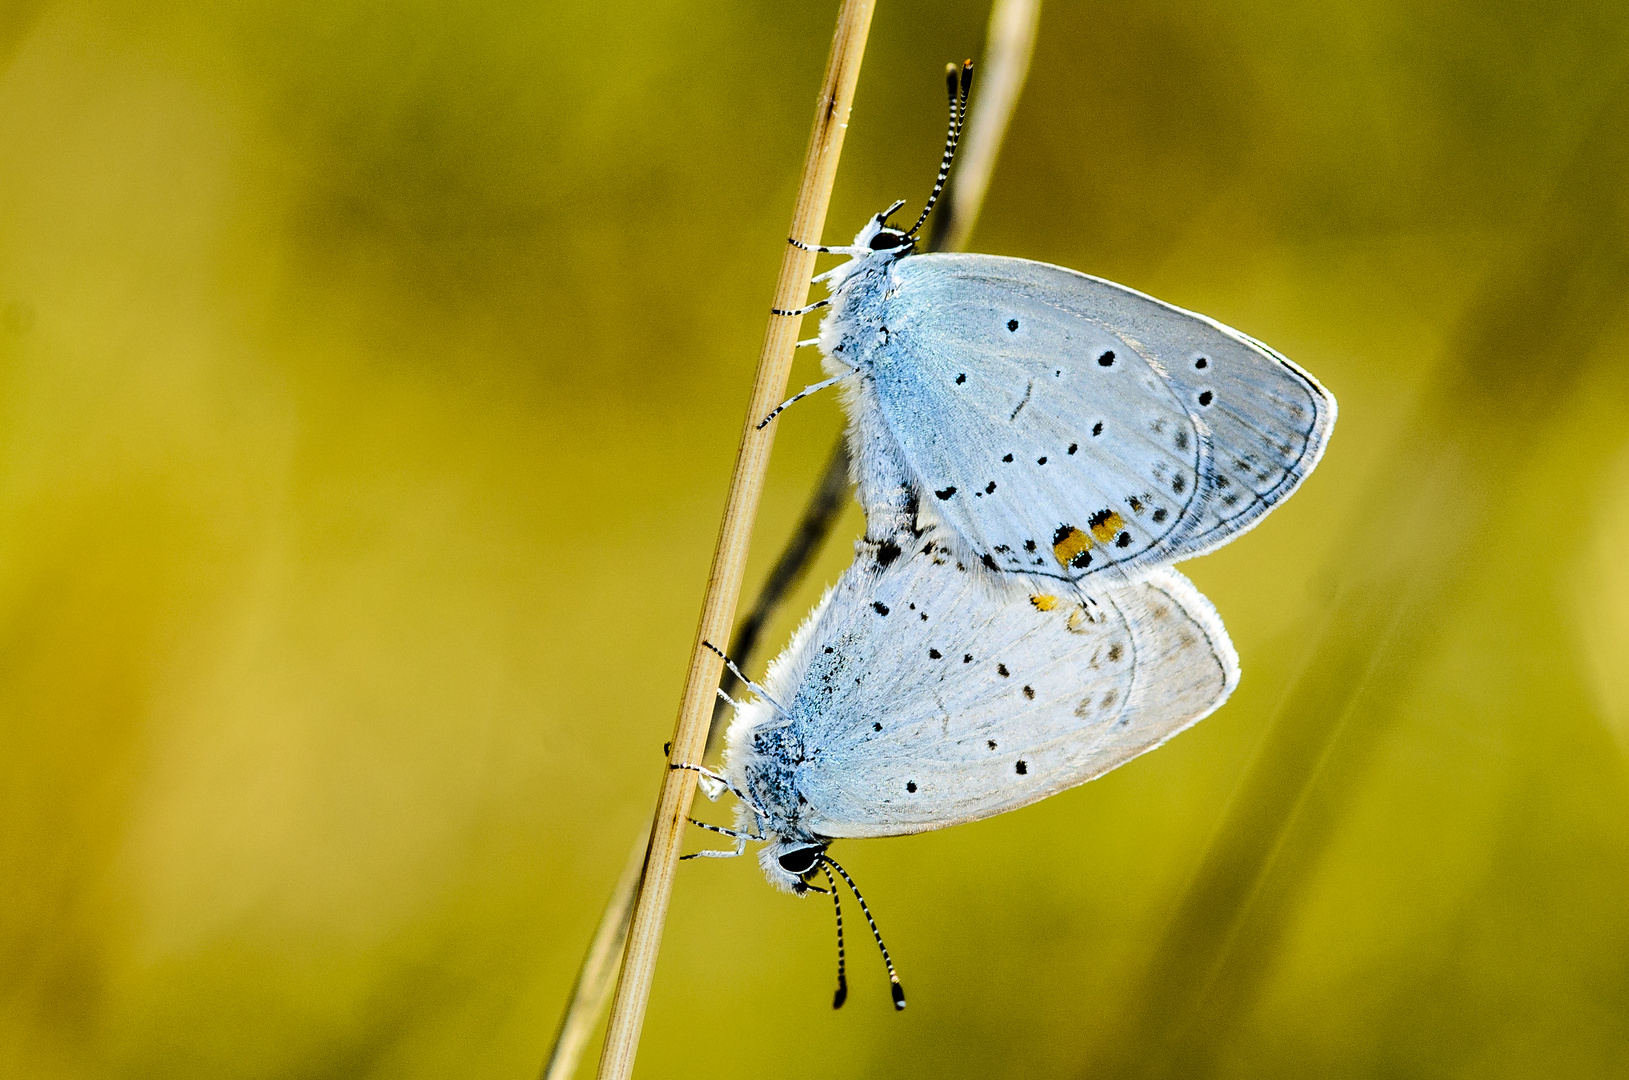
<point>369,378</point>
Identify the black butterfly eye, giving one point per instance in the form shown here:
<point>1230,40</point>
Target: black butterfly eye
<point>886,239</point>
<point>800,861</point>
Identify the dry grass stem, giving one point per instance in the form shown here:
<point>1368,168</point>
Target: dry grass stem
<point>735,534</point>
<point>594,977</point>
<point>1006,66</point>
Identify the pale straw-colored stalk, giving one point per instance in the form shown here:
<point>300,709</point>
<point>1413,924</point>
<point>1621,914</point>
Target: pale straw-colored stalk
<point>1009,45</point>
<point>592,990</point>
<point>734,538</point>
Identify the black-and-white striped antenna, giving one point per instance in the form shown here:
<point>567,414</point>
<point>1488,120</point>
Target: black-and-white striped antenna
<point>841,995</point>
<point>897,990</point>
<point>958,81</point>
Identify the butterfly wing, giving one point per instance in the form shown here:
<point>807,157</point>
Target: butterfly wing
<point>929,697</point>
<point>1066,426</point>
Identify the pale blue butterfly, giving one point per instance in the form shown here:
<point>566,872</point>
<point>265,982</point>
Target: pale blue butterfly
<point>1058,425</point>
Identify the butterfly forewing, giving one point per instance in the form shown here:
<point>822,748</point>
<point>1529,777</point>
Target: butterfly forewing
<point>930,697</point>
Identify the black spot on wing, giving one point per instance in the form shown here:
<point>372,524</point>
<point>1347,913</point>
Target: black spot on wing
<point>881,608</point>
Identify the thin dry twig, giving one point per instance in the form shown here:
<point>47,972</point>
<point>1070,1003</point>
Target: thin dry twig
<point>1006,65</point>
<point>734,538</point>
<point>589,995</point>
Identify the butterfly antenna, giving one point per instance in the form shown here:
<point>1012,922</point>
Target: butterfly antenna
<point>897,990</point>
<point>841,996</point>
<point>958,81</point>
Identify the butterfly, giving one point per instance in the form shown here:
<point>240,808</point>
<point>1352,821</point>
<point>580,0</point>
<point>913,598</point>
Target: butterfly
<point>1054,424</point>
<point>921,693</point>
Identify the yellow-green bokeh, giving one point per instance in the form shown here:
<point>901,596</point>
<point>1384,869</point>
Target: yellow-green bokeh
<point>369,380</point>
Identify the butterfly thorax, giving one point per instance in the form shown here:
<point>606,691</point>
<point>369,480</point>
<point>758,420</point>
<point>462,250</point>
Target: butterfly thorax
<point>859,289</point>
<point>763,761</point>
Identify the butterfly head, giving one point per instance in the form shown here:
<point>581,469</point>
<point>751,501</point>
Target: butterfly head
<point>880,238</point>
<point>788,864</point>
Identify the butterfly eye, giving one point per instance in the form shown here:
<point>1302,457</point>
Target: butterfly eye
<point>885,240</point>
<point>800,861</point>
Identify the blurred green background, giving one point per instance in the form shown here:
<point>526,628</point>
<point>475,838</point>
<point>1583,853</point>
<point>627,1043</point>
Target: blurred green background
<point>369,380</point>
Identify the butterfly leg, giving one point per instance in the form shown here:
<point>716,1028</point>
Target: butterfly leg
<point>816,306</point>
<point>801,394</point>
<point>733,834</point>
<point>801,246</point>
<point>736,852</point>
<point>754,687</point>
<point>712,782</point>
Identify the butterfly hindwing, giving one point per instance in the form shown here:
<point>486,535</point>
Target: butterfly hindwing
<point>924,694</point>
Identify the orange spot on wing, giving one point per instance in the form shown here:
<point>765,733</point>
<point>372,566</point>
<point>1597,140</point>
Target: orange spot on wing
<point>1043,602</point>
<point>1069,544</point>
<point>1105,525</point>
